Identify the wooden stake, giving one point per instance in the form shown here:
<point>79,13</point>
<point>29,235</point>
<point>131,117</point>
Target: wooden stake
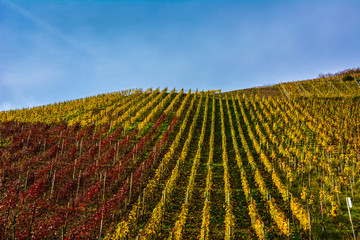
<point>27,175</point>
<point>322,211</point>
<point>117,150</point>
<point>52,185</point>
<point>125,204</point>
<point>163,217</point>
<point>352,226</point>
<point>28,139</point>
<point>62,147</point>
<point>143,202</point>
<point>80,147</point>
<point>115,155</point>
<point>103,197</point>
<point>14,232</point>
<point>99,148</point>
<point>131,185</point>
<point>137,210</point>
<point>289,227</point>
<point>351,188</point>
<point>309,218</point>
<point>101,223</point>
<point>74,168</point>
<point>78,185</point>
<point>62,232</point>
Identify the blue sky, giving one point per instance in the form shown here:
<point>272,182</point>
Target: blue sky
<point>53,51</point>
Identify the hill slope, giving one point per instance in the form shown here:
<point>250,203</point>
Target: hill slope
<point>317,88</point>
<point>159,164</point>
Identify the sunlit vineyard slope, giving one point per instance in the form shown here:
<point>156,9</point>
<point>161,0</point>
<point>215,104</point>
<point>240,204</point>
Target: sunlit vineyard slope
<point>274,162</point>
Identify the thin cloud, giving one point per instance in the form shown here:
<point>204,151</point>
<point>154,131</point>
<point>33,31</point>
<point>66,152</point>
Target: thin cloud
<point>47,27</point>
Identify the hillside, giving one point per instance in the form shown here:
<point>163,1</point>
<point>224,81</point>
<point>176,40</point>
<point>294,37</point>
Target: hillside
<point>329,87</point>
<point>273,162</point>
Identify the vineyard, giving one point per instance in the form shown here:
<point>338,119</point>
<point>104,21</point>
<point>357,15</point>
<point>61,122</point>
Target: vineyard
<point>271,163</point>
